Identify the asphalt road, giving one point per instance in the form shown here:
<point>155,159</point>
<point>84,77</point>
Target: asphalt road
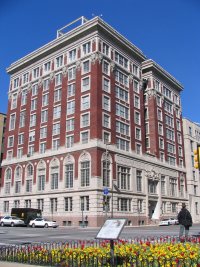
<point>22,235</point>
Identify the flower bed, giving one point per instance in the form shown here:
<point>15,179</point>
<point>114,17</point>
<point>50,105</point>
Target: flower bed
<point>141,254</point>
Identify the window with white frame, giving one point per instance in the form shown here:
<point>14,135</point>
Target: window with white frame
<point>9,155</point>
<point>69,175</point>
<point>20,139</point>
<point>86,48</point>
<point>138,133</point>
<point>43,132</point>
<point>163,185</point>
<point>139,180</point>
<point>170,134</point>
<point>72,55</point>
<point>136,101</point>
<point>36,73</point>
<point>32,120</point>
<point>122,128</point>
<point>146,113</point>
<point>40,204</point>
<point>55,144</point>
<point>106,49</point>
<point>24,97</point>
<point>70,125</point>
<point>152,186</point>
<point>53,205</point>
<point>41,178</point>
<point>147,142</point>
<point>58,79</point>
<point>106,67</point>
<point>137,118</point>
<point>25,78</point>
<point>16,83</point>
<point>121,60</point>
<point>157,85</point>
<point>138,149</point>
<point>12,121</point>
<point>45,100</point>
<point>31,150</point>
<point>19,153</point>
<point>68,203</point>
<point>54,177</point>
<point>135,70</point>
<point>85,84</point>
<point>178,125</point>
<point>56,112</point>
<point>33,104</point>
<point>85,102</point>
<point>167,92</point>
<point>146,127</point>
<point>47,67</point>
<point>84,137</point>
<point>106,120</point>
<point>136,86</point>
<point>70,107</point>
<point>29,183</point>
<point>179,137</point>
<point>124,204</point>
<point>27,203</point>
<point>106,137</point>
<point>69,141</point>
<point>85,203</point>
<point>14,101</point>
<point>16,203</point>
<point>22,118</point>
<point>106,173</point>
<point>6,206</point>
<point>18,180</point>
<point>169,120</point>
<point>121,94</point>
<point>122,144</point>
<point>59,62</point>
<point>162,157</point>
<point>57,95</point>
<point>71,73</point>
<point>85,173</point>
<point>170,148</point>
<point>71,89</point>
<point>11,141</point>
<point>140,205</point>
<point>122,111</point>
<point>85,120</point>
<point>56,128</point>
<point>46,84</point>
<point>161,143</point>
<point>173,186</point>
<point>34,89</point>
<point>106,103</point>
<point>123,177</point>
<point>32,136</point>
<point>158,100</point>
<point>44,115</point>
<point>171,160</point>
<point>86,66</point>
<point>160,129</point>
<point>168,107</point>
<point>8,176</point>
<point>121,77</point>
<point>106,85</point>
<point>42,147</point>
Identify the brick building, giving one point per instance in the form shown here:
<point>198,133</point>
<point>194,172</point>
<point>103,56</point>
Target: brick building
<point>2,131</point>
<point>88,113</point>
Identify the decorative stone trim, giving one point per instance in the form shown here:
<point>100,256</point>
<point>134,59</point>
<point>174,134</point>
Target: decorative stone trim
<point>78,65</point>
<point>64,71</point>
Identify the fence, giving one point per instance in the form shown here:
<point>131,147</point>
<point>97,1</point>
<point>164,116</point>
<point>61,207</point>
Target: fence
<point>62,255</point>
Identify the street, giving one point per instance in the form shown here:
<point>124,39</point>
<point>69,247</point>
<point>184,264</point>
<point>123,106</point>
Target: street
<point>23,235</point>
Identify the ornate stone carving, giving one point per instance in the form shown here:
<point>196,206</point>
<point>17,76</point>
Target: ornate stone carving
<point>93,58</point>
<point>64,71</point>
<point>51,76</point>
<point>40,81</point>
<point>112,66</point>
<point>78,65</point>
<point>152,175</point>
<point>131,78</point>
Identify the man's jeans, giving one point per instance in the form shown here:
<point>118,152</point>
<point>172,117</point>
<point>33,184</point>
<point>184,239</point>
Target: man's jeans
<point>182,229</point>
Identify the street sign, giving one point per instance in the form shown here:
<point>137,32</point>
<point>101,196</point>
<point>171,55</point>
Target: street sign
<point>105,191</point>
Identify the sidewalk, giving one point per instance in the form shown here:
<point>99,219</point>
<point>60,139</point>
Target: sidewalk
<point>15,264</point>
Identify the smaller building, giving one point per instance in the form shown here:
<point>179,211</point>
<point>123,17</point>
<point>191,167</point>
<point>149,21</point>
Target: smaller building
<point>191,132</point>
<point>2,130</point>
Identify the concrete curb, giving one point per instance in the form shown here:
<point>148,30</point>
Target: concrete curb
<point>16,264</point>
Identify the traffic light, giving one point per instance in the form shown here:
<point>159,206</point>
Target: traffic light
<point>197,158</point>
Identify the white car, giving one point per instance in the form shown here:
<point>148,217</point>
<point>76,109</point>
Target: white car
<point>170,221</point>
<point>11,221</point>
<point>41,222</point>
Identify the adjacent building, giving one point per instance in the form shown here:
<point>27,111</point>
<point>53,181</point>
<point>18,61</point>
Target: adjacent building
<point>191,132</point>
<point>94,129</point>
<point>2,130</point>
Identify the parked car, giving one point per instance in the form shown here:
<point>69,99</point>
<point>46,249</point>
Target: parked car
<point>11,221</point>
<point>41,222</point>
<point>170,221</point>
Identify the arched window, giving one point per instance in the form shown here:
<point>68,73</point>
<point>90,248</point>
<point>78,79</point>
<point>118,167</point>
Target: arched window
<point>8,175</point>
<point>85,169</point>
<point>41,176</point>
<point>29,177</point>
<point>18,179</point>
<point>54,171</point>
<point>69,171</point>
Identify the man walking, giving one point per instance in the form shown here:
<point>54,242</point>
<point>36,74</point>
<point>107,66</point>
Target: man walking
<point>185,221</point>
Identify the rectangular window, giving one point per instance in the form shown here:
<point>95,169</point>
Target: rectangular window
<point>85,120</point>
<point>43,132</point>
<point>86,66</point>
<point>57,95</point>
<point>70,125</point>
<point>55,144</point>
<point>36,73</point>
<point>53,205</point>
<point>33,104</point>
<point>59,62</point>
<point>56,112</point>
<point>22,118</point>
<point>32,136</point>
<point>137,118</point>
<point>71,89</point>
<point>29,185</point>
<point>40,204</point>
<point>121,78</point>
<point>71,73</point>
<point>85,102</point>
<point>121,60</point>
<point>16,83</point>
<point>47,67</point>
<point>122,111</point>
<point>139,180</point>
<point>14,101</point>
<point>45,100</point>
<point>72,55</point>
<point>123,178</point>
<point>42,147</point>
<point>86,48</point>
<point>122,128</point>
<point>106,85</point>
<point>30,150</point>
<point>84,137</point>
<point>68,204</point>
<point>44,116</point>
<point>70,107</point>
<point>106,103</point>
<point>6,206</point>
<point>121,94</point>
<point>69,141</point>
<point>69,175</point>
<point>25,78</point>
<point>136,101</point>
<point>85,84</point>
<point>10,141</point>
<point>21,139</point>
<point>58,79</point>
<point>56,129</point>
<point>106,67</point>
<point>85,173</point>
<point>24,97</point>
<point>34,89</point>
<point>54,181</point>
<point>32,120</point>
<point>136,86</point>
<point>84,203</point>
<point>122,144</point>
<point>124,204</point>
<point>106,49</point>
<point>106,120</point>
<point>46,84</point>
<point>12,122</point>
<point>41,182</point>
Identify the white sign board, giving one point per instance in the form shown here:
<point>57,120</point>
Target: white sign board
<point>111,229</point>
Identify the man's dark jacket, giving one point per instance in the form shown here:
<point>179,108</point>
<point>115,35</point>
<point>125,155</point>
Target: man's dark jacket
<point>184,217</point>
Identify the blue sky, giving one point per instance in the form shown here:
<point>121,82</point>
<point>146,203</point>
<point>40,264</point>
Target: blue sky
<point>166,31</point>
